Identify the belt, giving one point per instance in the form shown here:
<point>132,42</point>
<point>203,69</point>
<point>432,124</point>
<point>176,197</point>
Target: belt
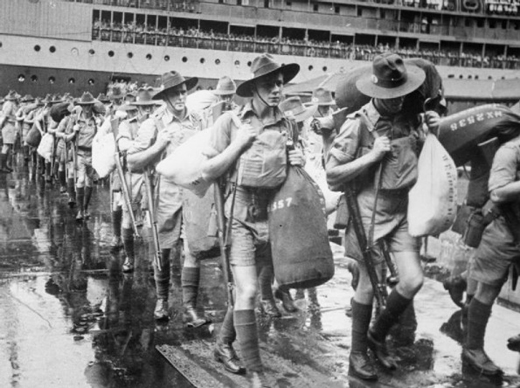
<point>85,149</point>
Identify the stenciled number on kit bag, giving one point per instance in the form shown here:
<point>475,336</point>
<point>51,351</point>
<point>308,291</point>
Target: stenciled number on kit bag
<point>280,204</point>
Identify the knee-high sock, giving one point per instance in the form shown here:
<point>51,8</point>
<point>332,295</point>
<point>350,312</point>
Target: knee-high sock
<point>117,217</point>
<point>265,279</point>
<point>478,317</point>
<point>80,197</point>
<point>128,244</point>
<point>228,333</point>
<point>162,277</point>
<point>361,316</point>
<point>88,195</point>
<point>247,335</point>
<point>190,278</point>
<point>396,304</point>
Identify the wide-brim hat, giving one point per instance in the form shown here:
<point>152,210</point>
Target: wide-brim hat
<point>126,107</point>
<point>11,96</point>
<point>86,99</point>
<point>172,79</point>
<point>293,108</point>
<point>322,97</point>
<point>116,93</point>
<point>27,98</point>
<point>225,87</point>
<point>262,66</point>
<point>102,97</point>
<point>144,97</point>
<point>390,78</point>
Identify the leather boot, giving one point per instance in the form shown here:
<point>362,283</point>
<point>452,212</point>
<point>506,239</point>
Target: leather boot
<point>380,351</point>
<point>480,361</point>
<point>268,307</point>
<point>3,167</point>
<point>160,312</point>
<point>287,300</point>
<point>361,366</point>
<point>225,354</point>
<point>190,291</point>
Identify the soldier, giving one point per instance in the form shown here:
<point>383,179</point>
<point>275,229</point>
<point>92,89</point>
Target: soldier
<point>7,123</point>
<point>356,153</point>
<point>499,249</point>
<point>249,234</point>
<point>161,134</point>
<point>138,111</point>
<point>85,129</point>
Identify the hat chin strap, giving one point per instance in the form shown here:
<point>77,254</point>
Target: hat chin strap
<point>261,99</point>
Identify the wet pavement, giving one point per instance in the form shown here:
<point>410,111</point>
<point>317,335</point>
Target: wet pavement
<point>70,318</point>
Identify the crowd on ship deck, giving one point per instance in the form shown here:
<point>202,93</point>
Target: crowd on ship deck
<point>196,38</point>
<point>492,7</point>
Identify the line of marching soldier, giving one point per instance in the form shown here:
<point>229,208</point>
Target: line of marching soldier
<point>155,122</point>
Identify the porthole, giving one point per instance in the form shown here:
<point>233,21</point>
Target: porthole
<point>110,53</point>
<point>52,49</point>
<point>130,55</point>
<point>91,52</point>
<point>52,79</point>
<point>148,56</point>
<point>21,78</point>
<point>166,58</point>
<point>249,64</point>
<point>91,81</point>
<point>184,59</point>
<point>74,51</point>
<point>311,67</point>
<point>72,81</point>
<point>217,61</point>
<point>324,68</point>
<point>37,47</point>
<point>0,44</point>
<point>34,78</point>
<point>202,60</point>
<point>237,63</point>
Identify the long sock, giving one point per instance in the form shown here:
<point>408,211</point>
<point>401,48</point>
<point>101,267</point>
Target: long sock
<point>395,306</point>
<point>228,334</point>
<point>265,279</point>
<point>162,277</point>
<point>478,317</point>
<point>70,189</point>
<point>128,244</point>
<point>80,197</point>
<point>190,285</point>
<point>247,335</point>
<point>3,158</point>
<point>61,176</point>
<point>88,195</point>
<point>361,316</point>
<point>117,217</point>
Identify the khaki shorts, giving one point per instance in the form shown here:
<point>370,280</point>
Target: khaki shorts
<point>495,254</point>
<point>8,133</point>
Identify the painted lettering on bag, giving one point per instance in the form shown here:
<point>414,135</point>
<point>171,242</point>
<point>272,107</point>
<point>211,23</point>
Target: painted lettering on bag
<point>478,117</point>
<point>280,204</point>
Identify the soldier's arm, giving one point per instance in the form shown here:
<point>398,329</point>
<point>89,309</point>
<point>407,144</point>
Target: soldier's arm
<point>223,152</point>
<point>343,165</point>
<point>503,186</point>
<point>145,150</point>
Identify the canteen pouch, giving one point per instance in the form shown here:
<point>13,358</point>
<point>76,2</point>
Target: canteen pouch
<point>474,230</point>
<point>342,214</point>
<point>264,164</point>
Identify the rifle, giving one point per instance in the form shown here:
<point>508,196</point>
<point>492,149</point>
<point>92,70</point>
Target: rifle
<point>153,221</point>
<point>224,233</point>
<point>124,186</point>
<point>379,288</point>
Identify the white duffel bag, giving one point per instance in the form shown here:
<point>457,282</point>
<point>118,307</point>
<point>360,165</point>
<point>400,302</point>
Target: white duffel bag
<point>432,205</point>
